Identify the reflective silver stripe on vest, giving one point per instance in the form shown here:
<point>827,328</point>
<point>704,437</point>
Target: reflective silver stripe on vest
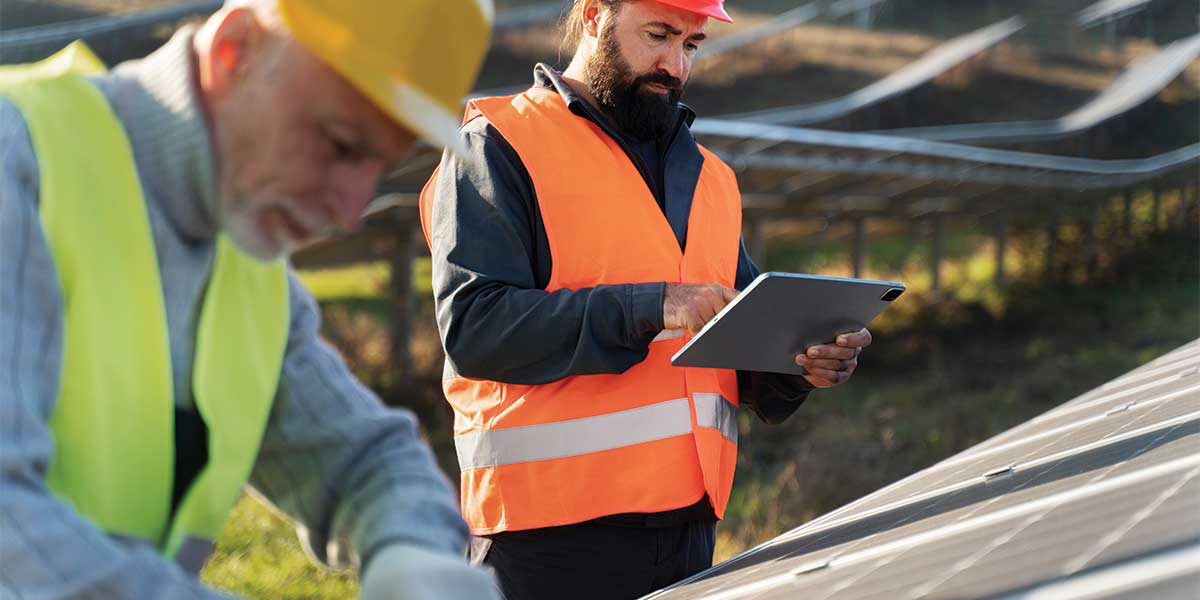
<point>715,412</point>
<point>667,334</point>
<point>574,437</point>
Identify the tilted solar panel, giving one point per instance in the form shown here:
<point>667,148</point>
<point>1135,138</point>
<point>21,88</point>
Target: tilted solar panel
<point>1098,498</point>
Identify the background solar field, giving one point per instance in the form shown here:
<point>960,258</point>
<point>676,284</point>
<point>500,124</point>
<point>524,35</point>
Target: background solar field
<point>1098,498</point>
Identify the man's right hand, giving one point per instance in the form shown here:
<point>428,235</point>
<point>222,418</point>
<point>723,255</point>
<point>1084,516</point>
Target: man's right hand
<point>407,572</point>
<point>689,305</point>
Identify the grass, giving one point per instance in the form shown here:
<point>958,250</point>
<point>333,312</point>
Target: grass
<point>259,556</point>
<point>942,376</point>
<point>951,375</point>
<point>368,280</point>
<point>363,281</point>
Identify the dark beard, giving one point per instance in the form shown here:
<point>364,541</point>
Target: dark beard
<point>638,112</point>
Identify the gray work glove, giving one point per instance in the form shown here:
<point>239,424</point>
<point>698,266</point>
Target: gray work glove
<point>402,572</point>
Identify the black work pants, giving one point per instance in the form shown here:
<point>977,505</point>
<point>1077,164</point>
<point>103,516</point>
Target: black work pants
<point>595,559</point>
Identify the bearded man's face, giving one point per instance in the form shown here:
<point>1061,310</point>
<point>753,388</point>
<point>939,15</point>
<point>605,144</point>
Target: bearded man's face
<point>641,64</point>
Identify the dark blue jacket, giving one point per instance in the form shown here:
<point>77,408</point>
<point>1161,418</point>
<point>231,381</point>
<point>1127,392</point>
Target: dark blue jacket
<point>491,264</point>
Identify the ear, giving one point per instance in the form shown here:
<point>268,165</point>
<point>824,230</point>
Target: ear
<point>591,18</point>
<point>235,35</point>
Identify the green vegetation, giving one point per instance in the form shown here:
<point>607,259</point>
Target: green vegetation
<point>364,281</point>
<point>941,376</point>
<point>950,375</point>
<point>259,556</point>
<point>367,280</point>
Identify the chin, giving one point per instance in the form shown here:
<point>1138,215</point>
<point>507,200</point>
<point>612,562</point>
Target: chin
<point>261,250</point>
<point>258,244</point>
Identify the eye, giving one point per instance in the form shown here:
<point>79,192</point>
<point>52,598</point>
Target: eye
<point>343,149</point>
<point>691,46</point>
<point>658,37</point>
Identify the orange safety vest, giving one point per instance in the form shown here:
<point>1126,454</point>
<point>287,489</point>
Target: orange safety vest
<point>651,439</point>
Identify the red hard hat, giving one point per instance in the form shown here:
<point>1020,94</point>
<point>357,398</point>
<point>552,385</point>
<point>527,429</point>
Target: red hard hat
<point>708,8</point>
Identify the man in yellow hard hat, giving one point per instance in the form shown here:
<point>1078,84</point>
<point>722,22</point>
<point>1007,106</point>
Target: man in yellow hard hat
<point>158,353</point>
<point>577,242</point>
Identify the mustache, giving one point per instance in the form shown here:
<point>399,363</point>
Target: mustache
<point>314,221</point>
<point>662,78</point>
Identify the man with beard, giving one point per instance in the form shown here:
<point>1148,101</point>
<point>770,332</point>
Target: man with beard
<point>158,353</point>
<point>576,243</point>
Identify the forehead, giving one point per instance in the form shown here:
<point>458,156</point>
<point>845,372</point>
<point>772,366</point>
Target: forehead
<point>328,97</point>
<point>641,12</point>
<point>319,85</point>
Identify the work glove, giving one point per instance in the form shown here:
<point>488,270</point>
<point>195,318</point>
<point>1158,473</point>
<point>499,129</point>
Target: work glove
<point>403,572</point>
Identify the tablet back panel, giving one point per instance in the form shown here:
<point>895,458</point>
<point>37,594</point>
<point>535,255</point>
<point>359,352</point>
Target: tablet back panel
<point>780,315</point>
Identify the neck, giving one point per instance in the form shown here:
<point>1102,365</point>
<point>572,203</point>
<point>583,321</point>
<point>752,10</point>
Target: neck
<point>576,76</point>
<point>159,104</point>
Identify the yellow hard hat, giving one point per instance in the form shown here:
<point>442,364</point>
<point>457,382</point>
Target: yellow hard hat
<point>415,59</point>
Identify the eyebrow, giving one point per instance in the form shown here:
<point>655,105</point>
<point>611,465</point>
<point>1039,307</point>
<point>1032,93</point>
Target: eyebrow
<point>697,37</point>
<point>359,141</point>
<point>362,142</point>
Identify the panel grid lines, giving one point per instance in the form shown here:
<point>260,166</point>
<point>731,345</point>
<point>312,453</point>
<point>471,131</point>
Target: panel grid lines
<point>1108,479</point>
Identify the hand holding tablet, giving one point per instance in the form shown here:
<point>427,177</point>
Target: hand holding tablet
<point>797,324</point>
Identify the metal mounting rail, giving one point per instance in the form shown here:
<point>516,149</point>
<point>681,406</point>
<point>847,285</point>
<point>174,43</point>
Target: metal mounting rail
<point>1107,10</point>
<point>874,143</point>
<point>19,45</point>
<point>935,62</point>
<point>1143,79</point>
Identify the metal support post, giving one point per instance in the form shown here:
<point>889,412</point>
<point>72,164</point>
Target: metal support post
<point>1156,210</point>
<point>757,242</point>
<point>404,301</point>
<point>1127,214</point>
<point>1001,233</point>
<point>859,251</point>
<point>935,256</point>
<point>1052,246</point>
<point>1091,246</point>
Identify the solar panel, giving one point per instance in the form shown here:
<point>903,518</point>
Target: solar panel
<point>936,62</point>
<point>1098,498</point>
<point>1144,79</point>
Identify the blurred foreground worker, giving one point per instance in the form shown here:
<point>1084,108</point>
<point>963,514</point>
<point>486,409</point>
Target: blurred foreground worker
<point>577,243</point>
<point>158,354</point>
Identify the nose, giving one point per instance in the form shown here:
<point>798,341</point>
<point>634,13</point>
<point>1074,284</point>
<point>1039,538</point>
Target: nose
<point>676,62</point>
<point>351,187</point>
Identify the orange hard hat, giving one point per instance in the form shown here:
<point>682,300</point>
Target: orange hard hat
<point>708,8</point>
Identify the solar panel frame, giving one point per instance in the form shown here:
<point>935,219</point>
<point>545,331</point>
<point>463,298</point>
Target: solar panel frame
<point>1104,480</point>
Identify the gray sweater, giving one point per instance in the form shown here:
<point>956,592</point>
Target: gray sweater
<point>355,474</point>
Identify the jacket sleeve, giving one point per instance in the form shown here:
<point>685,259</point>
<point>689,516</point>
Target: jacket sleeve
<point>772,396</point>
<point>356,474</point>
<point>47,550</point>
<point>495,322</point>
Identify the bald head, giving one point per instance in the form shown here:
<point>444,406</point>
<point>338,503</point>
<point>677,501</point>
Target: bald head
<point>298,150</point>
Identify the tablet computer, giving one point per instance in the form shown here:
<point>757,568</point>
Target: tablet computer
<point>779,315</point>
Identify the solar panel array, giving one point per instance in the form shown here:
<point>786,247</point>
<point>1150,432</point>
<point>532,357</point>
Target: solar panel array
<point>1142,80</point>
<point>1098,498</point>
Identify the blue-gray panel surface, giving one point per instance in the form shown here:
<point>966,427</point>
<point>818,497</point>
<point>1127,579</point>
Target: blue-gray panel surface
<point>1081,494</point>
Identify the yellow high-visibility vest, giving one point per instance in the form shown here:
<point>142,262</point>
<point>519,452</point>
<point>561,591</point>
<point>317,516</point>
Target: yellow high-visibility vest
<point>113,422</point>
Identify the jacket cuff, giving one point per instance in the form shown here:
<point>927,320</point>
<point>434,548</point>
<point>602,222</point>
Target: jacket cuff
<point>772,396</point>
<point>645,309</point>
<point>792,388</point>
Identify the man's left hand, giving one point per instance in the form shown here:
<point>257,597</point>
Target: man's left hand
<point>833,364</point>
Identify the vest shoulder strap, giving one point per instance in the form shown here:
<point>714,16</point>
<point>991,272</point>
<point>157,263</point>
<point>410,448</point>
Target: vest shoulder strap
<point>113,422</point>
<point>107,427</point>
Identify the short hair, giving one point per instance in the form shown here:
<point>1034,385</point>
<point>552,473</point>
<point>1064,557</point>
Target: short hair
<point>572,21</point>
